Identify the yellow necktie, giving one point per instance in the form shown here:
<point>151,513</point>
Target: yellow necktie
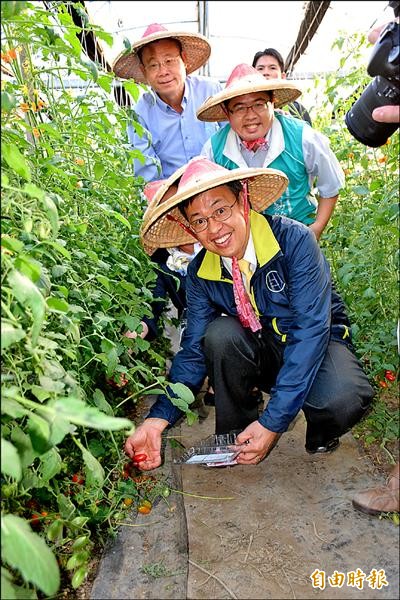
<point>244,267</point>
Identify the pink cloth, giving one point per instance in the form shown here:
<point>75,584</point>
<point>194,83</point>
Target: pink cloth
<point>246,314</point>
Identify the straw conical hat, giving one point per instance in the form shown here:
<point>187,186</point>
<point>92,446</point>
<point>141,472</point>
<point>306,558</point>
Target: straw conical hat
<point>199,175</point>
<point>196,47</point>
<point>244,79</point>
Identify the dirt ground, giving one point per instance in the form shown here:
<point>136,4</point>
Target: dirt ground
<point>257,532</point>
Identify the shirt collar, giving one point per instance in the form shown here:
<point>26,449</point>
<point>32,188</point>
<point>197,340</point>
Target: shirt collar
<point>166,107</point>
<point>249,255</point>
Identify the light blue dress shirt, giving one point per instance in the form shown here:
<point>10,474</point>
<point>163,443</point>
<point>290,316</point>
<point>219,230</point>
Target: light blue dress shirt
<point>174,137</point>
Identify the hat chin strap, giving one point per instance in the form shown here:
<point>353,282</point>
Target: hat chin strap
<point>182,225</point>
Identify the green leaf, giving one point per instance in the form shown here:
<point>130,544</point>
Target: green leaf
<point>24,446</point>
<point>80,542</point>
<point>11,9</point>
<point>104,82</point>
<point>57,304</point>
<point>16,160</point>
<point>183,392</point>
<point>71,37</point>
<point>116,215</point>
<point>32,190</point>
<point>59,429</point>
<point>369,293</point>
<point>12,408</point>
<point>101,402</point>
<point>58,247</point>
<point>10,334</point>
<point>8,102</point>
<point>29,267</point>
<point>51,385</point>
<point>78,522</point>
<point>39,432</point>
<point>10,461</point>
<point>52,213</point>
<point>112,361</point>
<point>7,588</point>
<point>104,35</point>
<point>132,89</point>
<point>191,417</point>
<point>55,530</point>
<point>361,190</point>
<point>94,470</point>
<point>79,577</point>
<point>104,281</point>
<point>65,506</point>
<point>98,170</point>
<point>153,392</point>
<point>76,560</point>
<point>91,67</point>
<point>28,553</point>
<point>11,244</point>
<point>50,465</point>
<point>29,296</point>
<point>76,411</point>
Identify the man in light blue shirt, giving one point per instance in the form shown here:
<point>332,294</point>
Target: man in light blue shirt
<point>172,133</point>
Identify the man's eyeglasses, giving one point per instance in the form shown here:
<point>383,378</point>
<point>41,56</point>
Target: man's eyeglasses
<point>240,110</point>
<point>220,214</point>
<point>168,63</point>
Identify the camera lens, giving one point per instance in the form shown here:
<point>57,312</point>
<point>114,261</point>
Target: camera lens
<point>359,121</point>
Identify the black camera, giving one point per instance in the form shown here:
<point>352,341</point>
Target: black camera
<point>383,90</point>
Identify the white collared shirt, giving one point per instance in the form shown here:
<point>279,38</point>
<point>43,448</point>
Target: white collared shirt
<point>249,255</point>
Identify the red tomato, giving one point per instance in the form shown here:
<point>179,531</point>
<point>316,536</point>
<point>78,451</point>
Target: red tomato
<point>77,478</point>
<point>139,458</point>
<point>390,376</point>
<point>35,521</point>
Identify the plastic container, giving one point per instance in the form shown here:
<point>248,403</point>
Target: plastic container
<point>214,451</point>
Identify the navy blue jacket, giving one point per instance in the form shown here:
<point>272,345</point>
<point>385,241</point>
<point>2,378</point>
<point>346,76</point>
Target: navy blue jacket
<point>293,292</point>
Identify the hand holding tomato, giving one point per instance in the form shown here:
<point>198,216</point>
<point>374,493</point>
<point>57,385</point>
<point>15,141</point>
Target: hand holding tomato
<point>144,445</point>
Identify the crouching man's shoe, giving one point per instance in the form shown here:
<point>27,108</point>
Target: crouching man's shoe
<point>380,499</point>
<point>326,447</point>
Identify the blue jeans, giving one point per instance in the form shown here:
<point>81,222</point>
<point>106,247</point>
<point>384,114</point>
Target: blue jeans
<point>239,360</point>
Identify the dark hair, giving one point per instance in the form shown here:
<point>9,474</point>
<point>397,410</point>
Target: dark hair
<point>140,50</point>
<point>269,52</point>
<point>235,186</point>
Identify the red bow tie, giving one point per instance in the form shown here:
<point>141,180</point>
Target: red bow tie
<point>255,144</point>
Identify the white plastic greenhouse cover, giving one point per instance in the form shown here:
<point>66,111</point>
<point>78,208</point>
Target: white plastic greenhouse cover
<point>237,30</point>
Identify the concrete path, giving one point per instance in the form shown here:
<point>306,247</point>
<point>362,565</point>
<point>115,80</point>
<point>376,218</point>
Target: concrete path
<point>262,532</point>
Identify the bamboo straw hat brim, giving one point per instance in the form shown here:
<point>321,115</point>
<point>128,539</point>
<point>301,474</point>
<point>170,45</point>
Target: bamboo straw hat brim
<point>180,235</point>
<point>196,47</point>
<point>284,92</point>
<point>264,187</point>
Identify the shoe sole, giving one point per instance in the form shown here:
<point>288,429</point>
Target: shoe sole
<point>372,511</point>
<point>326,449</point>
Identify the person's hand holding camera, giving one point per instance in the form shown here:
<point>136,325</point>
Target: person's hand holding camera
<point>383,114</point>
<point>374,117</point>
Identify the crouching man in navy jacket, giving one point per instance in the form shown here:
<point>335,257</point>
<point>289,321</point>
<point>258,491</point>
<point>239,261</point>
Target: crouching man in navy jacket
<point>261,312</point>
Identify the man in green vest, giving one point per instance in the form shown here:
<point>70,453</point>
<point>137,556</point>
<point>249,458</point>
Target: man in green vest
<point>256,136</point>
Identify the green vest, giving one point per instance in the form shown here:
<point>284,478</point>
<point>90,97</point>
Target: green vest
<point>294,202</point>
